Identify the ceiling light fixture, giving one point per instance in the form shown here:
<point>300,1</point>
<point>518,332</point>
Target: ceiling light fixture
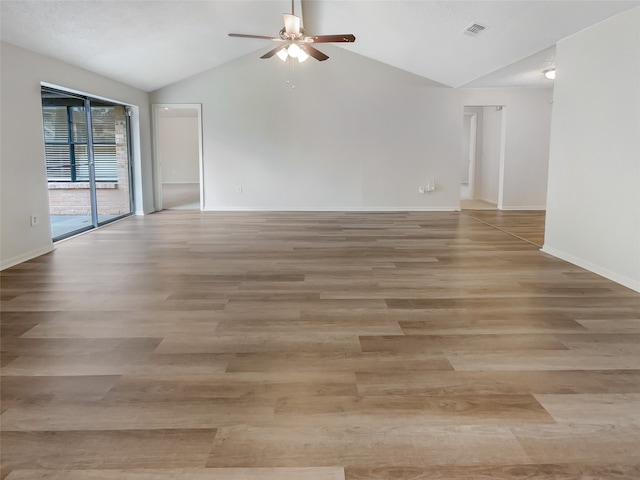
<point>302,56</point>
<point>550,74</point>
<point>282,54</point>
<point>293,50</point>
<point>297,44</point>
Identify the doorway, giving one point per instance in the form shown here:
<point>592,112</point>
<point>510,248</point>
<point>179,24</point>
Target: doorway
<point>178,149</point>
<point>482,169</point>
<point>87,156</point>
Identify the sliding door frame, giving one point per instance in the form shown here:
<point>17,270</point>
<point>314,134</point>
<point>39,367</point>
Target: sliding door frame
<point>93,197</point>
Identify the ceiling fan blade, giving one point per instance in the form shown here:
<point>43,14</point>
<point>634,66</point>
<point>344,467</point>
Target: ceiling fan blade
<point>243,35</point>
<point>291,24</point>
<point>273,51</point>
<point>347,37</point>
<point>313,52</point>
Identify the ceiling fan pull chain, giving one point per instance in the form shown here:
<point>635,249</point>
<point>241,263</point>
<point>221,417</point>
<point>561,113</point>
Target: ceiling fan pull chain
<point>291,82</point>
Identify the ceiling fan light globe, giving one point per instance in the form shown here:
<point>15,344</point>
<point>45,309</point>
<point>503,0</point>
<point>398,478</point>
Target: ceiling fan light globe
<point>294,50</point>
<point>282,54</point>
<point>302,56</point>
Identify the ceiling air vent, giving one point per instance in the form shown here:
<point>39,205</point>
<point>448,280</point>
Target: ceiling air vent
<point>474,29</point>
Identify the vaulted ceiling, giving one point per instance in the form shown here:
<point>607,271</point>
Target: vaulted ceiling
<point>150,44</point>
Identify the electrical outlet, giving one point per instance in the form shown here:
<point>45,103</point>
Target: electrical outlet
<point>239,189</point>
<point>34,220</point>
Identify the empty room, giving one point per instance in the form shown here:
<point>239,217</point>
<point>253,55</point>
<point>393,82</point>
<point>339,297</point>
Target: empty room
<point>319,240</point>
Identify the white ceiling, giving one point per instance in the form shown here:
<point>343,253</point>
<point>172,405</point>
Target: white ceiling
<point>150,44</point>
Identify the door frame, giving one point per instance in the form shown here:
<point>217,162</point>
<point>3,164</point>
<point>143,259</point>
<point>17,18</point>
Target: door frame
<point>502,154</point>
<point>503,147</point>
<point>473,137</point>
<point>157,164</point>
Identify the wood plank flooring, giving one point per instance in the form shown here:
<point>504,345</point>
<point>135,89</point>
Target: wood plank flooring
<point>324,346</point>
<point>527,225</point>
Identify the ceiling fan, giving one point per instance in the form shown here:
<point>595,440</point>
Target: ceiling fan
<point>295,43</point>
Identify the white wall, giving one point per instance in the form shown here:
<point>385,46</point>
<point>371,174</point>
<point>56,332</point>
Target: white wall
<point>178,149</point>
<point>353,134</point>
<point>593,216</point>
<point>527,130</point>
<point>23,178</point>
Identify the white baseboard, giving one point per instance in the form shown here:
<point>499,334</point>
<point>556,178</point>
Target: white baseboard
<point>526,207</point>
<point>332,209</point>
<point>11,262</point>
<point>633,284</point>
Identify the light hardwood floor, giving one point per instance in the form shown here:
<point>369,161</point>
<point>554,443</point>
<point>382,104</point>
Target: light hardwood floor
<point>326,346</point>
<point>181,196</point>
<point>526,225</point>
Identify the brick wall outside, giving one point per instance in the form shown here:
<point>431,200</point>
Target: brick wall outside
<point>73,198</point>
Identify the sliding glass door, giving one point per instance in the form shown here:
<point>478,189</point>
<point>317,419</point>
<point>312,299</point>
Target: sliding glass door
<point>88,161</point>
